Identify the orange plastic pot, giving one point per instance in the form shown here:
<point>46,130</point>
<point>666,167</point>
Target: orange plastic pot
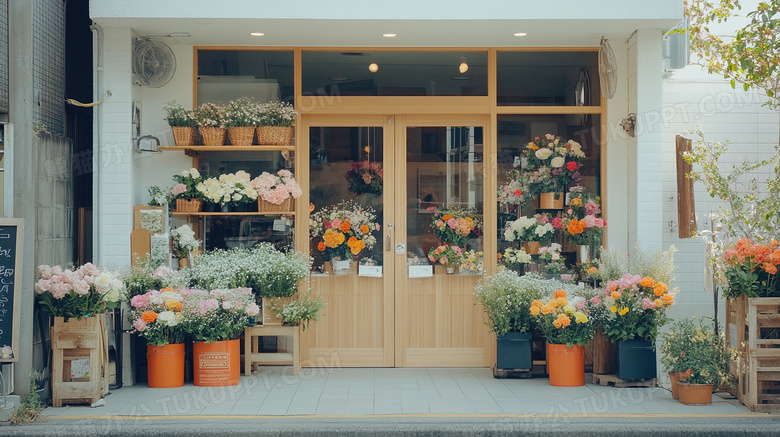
<point>217,364</point>
<point>165,365</point>
<point>675,378</point>
<point>566,365</point>
<point>695,394</point>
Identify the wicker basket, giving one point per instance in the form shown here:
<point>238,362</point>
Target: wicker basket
<point>212,136</point>
<point>192,205</point>
<point>241,136</point>
<point>266,206</point>
<point>274,135</point>
<point>183,136</point>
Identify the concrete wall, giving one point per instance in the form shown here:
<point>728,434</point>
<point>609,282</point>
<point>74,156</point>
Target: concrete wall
<point>49,64</point>
<point>54,203</point>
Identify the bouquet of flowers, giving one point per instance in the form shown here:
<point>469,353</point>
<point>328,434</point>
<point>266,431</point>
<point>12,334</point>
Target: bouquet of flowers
<point>516,190</point>
<point>456,226</point>
<point>208,115</point>
<point>219,314</point>
<point>634,307</point>
<point>228,189</point>
<point>536,228</point>
<point>344,230</point>
<point>515,259</point>
<point>242,112</point>
<point>446,255</point>
<point>160,197</point>
<point>77,293</point>
<point>276,113</point>
<point>552,164</point>
<point>276,188</point>
<point>157,315</point>
<point>564,319</point>
<point>186,183</point>
<point>471,261</point>
<point>582,224</point>
<point>184,241</point>
<point>751,269</point>
<point>365,177</point>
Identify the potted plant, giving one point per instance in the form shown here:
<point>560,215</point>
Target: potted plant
<point>581,223</point>
<point>515,192</point>
<point>470,263</point>
<point>80,293</point>
<point>183,243</point>
<point>143,276</point>
<point>241,117</point>
<point>181,122</point>
<point>211,124</point>
<point>232,191</point>
<point>276,192</point>
<point>185,192</point>
<point>534,232</point>
<point>156,316</point>
<point>302,310</point>
<point>277,281</point>
<point>365,177</point>
<point>566,322</point>
<point>673,351</point>
<point>751,269</point>
<point>515,259</point>
<point>456,226</point>
<point>215,319</point>
<point>276,121</point>
<point>446,255</point>
<point>342,231</point>
<point>551,165</point>
<point>506,300</point>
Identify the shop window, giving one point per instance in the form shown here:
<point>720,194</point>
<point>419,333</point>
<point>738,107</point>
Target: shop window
<point>547,79</point>
<point>225,75</point>
<point>395,73</point>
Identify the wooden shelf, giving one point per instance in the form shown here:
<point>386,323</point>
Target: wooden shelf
<point>194,151</point>
<point>182,214</point>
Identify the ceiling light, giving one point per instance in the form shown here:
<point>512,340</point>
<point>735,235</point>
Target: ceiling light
<point>257,33</point>
<point>520,34</point>
<point>373,67</point>
<point>389,35</point>
<point>463,67</point>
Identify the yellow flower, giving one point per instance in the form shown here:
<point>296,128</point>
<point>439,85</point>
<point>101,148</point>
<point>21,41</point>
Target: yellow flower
<point>562,301</point>
<point>569,309</point>
<point>614,308</point>
<point>580,317</point>
<point>367,149</point>
<point>623,311</point>
<point>535,311</point>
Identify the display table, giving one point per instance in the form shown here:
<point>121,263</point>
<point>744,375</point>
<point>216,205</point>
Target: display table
<point>253,356</point>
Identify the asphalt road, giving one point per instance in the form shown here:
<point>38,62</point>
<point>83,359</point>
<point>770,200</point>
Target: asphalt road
<point>414,425</point>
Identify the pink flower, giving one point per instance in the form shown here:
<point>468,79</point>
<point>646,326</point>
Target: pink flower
<point>592,208</point>
<point>252,310</point>
<point>456,249</point>
<point>161,272</point>
<point>599,223</point>
<point>549,136</point>
<point>139,301</point>
<point>581,303</point>
<point>139,325</point>
<point>208,305</point>
<point>44,271</point>
<point>59,290</point>
<point>439,223</point>
<point>444,260</point>
<point>227,305</point>
<point>596,300</point>
<point>452,223</point>
<point>430,257</point>
<point>590,220</point>
<point>543,219</point>
<point>556,223</point>
<point>648,304</point>
<point>179,189</point>
<point>336,223</point>
<point>80,287</point>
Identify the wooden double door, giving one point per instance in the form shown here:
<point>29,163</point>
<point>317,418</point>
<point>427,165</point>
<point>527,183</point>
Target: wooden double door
<point>401,316</point>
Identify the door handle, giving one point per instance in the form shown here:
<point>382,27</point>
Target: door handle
<point>387,237</point>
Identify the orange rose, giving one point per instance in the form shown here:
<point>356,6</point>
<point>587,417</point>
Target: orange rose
<point>364,229</point>
<point>565,320</point>
<point>576,201</point>
<point>536,303</point>
<point>560,293</point>
<point>576,226</point>
<point>561,301</point>
<point>446,217</point>
<point>647,282</point>
<point>659,302</point>
<point>535,311</point>
<point>668,299</point>
<point>170,304</point>
<point>547,309</point>
<point>557,323</point>
<point>345,226</point>
<point>321,246</point>
<point>149,316</point>
<point>615,294</point>
<point>660,288</point>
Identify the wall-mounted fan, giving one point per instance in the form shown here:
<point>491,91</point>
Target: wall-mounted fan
<point>153,63</point>
<point>607,69</point>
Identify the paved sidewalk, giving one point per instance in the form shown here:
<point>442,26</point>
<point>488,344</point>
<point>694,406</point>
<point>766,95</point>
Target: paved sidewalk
<point>274,391</point>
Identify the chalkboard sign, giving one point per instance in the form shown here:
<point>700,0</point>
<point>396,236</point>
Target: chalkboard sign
<point>11,233</point>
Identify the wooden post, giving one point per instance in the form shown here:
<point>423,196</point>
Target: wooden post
<point>686,215</point>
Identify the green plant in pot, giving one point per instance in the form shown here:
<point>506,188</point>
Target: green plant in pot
<point>278,282</point>
<point>302,310</point>
<point>506,299</point>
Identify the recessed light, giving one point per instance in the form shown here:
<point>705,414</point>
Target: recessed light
<point>520,34</point>
<point>389,35</point>
<point>373,67</point>
<point>257,33</point>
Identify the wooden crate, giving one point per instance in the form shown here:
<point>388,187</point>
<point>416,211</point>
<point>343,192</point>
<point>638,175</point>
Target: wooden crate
<point>79,340</point>
<point>753,326</point>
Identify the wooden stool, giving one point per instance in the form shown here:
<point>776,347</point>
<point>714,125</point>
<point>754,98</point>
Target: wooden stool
<point>253,356</point>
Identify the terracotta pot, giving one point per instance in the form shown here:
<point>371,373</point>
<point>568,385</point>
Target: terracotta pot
<point>532,247</point>
<point>675,378</point>
<point>549,201</point>
<point>217,364</point>
<point>695,394</point>
<point>566,365</point>
<point>165,365</point>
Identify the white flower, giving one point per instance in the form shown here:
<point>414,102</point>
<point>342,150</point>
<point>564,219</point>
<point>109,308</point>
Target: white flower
<point>509,234</point>
<point>543,153</point>
<point>167,318</point>
<point>557,162</point>
<point>103,283</point>
<point>194,173</point>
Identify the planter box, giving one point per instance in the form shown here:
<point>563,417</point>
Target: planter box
<point>513,351</point>
<point>636,360</point>
<point>269,318</point>
<point>79,360</point>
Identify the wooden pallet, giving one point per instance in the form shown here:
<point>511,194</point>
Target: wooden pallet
<point>512,373</point>
<point>75,339</point>
<point>613,380</point>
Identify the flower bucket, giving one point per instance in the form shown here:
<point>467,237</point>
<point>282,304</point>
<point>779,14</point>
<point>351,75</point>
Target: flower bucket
<point>213,136</point>
<point>241,136</point>
<point>636,360</point>
<point>532,247</point>
<point>583,253</point>
<point>513,351</point>
<point>165,365</point>
<point>566,365</point>
<point>216,364</point>
<point>548,201</point>
<point>341,267</point>
<point>192,205</point>
<point>183,136</point>
<point>695,394</point>
<point>274,135</point>
<point>674,378</point>
<point>266,206</point>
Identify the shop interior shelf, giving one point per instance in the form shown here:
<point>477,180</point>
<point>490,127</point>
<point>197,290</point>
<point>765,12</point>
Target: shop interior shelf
<point>183,214</point>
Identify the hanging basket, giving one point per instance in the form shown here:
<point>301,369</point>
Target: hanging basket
<point>274,135</point>
<point>241,136</point>
<point>192,205</point>
<point>213,136</point>
<point>183,135</point>
<point>266,206</point>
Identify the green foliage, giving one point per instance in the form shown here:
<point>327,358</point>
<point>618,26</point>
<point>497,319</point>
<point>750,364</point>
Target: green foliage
<point>694,349</point>
<point>281,281</point>
<point>32,406</point>
<point>140,278</point>
<point>160,197</point>
<point>506,299</point>
<point>304,309</point>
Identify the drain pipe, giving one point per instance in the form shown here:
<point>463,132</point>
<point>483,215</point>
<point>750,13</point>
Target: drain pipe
<point>97,75</point>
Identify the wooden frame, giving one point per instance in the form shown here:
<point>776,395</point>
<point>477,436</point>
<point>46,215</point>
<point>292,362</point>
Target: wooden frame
<point>17,286</point>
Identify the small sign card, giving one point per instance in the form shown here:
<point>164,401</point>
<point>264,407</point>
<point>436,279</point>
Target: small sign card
<point>371,271</point>
<point>420,271</point>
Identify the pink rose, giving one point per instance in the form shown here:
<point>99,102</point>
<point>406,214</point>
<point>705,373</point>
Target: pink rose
<point>80,287</point>
<point>252,310</point>
<point>161,272</point>
<point>44,271</point>
<point>444,260</point>
<point>599,223</point>
<point>648,304</point>
<point>139,301</point>
<point>227,305</point>
<point>581,303</point>
<point>596,300</point>
<point>452,223</point>
<point>336,223</point>
<point>556,222</point>
<point>590,220</point>
<point>178,189</point>
<point>439,223</point>
<point>60,290</point>
<point>139,325</point>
